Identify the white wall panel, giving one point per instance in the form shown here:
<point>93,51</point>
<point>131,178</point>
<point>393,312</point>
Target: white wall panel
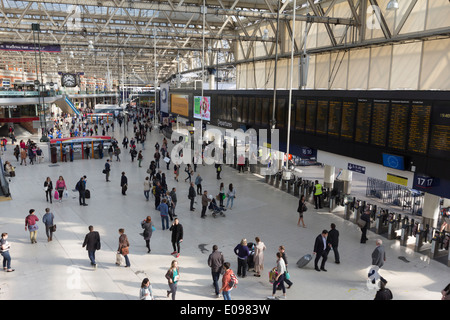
<point>435,71</point>
<point>322,71</point>
<point>405,66</point>
<point>358,69</point>
<point>380,66</point>
<point>438,14</point>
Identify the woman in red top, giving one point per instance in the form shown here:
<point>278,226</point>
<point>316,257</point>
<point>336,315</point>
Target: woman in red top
<point>30,222</point>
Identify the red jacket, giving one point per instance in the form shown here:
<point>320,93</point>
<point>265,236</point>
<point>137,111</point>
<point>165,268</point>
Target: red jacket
<point>30,220</point>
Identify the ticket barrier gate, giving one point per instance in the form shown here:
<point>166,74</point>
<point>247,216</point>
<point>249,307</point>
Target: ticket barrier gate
<point>421,237</point>
<point>404,231</point>
<point>395,221</point>
<point>297,186</point>
<point>278,178</point>
<point>439,244</point>
<point>381,221</point>
<point>349,208</point>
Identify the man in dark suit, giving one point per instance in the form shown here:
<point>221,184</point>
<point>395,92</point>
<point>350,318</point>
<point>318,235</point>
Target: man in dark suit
<point>333,240</point>
<point>124,183</point>
<point>191,196</point>
<point>92,243</point>
<point>321,249</point>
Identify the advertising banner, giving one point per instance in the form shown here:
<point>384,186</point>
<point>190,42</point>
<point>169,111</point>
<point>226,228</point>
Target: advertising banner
<point>202,108</point>
<point>164,97</point>
<point>9,46</point>
<point>179,104</point>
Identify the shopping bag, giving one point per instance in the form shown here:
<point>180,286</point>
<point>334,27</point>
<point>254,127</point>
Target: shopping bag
<point>56,195</point>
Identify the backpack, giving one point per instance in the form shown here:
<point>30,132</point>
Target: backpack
<point>233,281</point>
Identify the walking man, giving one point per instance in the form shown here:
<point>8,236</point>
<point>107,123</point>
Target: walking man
<point>191,196</point>
<point>107,169</point>
<point>317,195</point>
<point>333,240</point>
<point>321,250</point>
<point>124,183</point>
<point>215,262</point>
<point>92,243</point>
<point>177,236</point>
<point>81,188</point>
<point>379,256</point>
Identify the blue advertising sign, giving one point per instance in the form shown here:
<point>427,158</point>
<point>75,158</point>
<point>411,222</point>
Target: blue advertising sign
<point>393,161</point>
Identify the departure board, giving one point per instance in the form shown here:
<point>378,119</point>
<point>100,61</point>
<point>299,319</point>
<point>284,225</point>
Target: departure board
<point>419,127</point>
<point>363,117</point>
<point>440,130</point>
<point>334,118</point>
<point>380,116</point>
<point>398,125</point>
<point>322,117</point>
<point>348,119</point>
<point>311,113</point>
<point>300,111</point>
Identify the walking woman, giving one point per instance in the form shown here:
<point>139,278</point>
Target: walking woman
<point>221,194</point>
<point>146,290</point>
<point>30,223</point>
<point>123,248</point>
<point>231,194</point>
<point>4,250</point>
<point>300,210</point>
<point>147,225</point>
<point>172,276</point>
<point>60,187</point>
<point>147,188</point>
<point>48,188</point>
<point>279,280</point>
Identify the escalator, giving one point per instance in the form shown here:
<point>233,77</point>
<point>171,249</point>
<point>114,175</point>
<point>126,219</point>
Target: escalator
<point>67,106</point>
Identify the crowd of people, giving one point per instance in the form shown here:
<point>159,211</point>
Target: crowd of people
<point>156,186</point>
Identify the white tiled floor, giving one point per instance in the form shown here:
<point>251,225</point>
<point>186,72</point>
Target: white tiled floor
<point>61,269</point>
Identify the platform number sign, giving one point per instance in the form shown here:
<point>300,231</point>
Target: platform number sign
<point>421,182</point>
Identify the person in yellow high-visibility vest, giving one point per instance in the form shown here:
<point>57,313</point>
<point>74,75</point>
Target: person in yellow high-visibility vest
<point>317,195</point>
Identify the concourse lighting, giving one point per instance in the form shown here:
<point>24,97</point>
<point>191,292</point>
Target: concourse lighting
<point>392,5</point>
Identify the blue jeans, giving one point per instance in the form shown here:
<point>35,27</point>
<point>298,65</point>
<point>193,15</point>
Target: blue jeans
<point>228,201</point>
<point>166,219</point>
<point>6,259</point>
<point>147,194</point>
<point>127,261</point>
<point>226,295</point>
<point>216,276</point>
<point>91,255</point>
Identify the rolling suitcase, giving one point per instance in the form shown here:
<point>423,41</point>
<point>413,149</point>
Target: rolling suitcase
<point>304,260</point>
<point>87,194</point>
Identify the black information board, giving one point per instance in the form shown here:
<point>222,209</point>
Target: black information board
<point>311,113</point>
<point>419,127</point>
<point>300,114</point>
<point>348,119</point>
<point>363,119</point>
<point>440,130</point>
<point>322,117</point>
<point>398,124</point>
<point>334,118</point>
<point>380,117</point>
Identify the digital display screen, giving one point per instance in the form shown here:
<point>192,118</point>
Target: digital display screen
<point>393,161</point>
<point>322,117</point>
<point>440,130</point>
<point>334,118</point>
<point>380,116</point>
<point>363,117</point>
<point>348,119</point>
<point>311,112</point>
<point>419,127</point>
<point>398,125</point>
<point>300,112</point>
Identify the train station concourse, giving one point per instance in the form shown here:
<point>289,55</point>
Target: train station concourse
<point>200,151</point>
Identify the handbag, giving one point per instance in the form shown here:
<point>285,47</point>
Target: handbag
<point>287,275</point>
<point>361,223</point>
<point>125,251</point>
<point>56,195</point>
<point>53,228</point>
